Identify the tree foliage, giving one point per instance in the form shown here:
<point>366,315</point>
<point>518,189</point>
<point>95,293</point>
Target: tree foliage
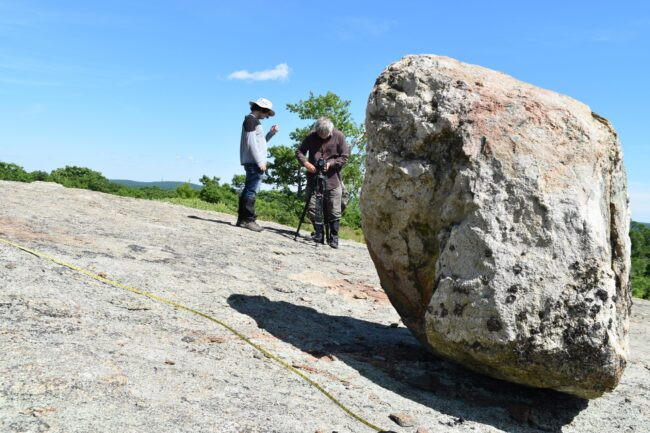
<point>213,192</point>
<point>354,170</point>
<point>640,275</point>
<point>81,177</point>
<point>186,191</point>
<point>10,171</point>
<point>281,206</point>
<point>284,169</point>
<point>238,181</point>
<point>329,105</point>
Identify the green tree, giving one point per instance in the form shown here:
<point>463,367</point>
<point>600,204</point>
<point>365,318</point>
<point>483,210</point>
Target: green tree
<point>238,181</point>
<point>213,192</point>
<point>640,272</point>
<point>330,105</point>
<point>186,191</point>
<point>82,177</point>
<point>637,241</point>
<point>284,169</point>
<point>10,171</point>
<point>354,170</point>
<point>39,175</point>
<point>279,206</point>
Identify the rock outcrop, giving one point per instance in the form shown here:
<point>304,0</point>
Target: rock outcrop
<point>81,356</point>
<point>496,215</point>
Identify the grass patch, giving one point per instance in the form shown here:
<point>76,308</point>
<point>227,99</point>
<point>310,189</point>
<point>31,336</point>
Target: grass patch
<point>196,203</point>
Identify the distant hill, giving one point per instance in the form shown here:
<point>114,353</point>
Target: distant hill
<point>162,185</point>
<point>635,224</point>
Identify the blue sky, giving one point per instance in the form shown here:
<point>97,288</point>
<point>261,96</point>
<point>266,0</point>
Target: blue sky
<point>151,90</point>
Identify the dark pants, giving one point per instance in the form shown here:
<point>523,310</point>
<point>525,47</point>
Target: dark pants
<point>331,214</point>
<point>252,185</point>
<point>332,211</point>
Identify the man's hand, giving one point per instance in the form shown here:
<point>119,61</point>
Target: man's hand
<point>327,166</point>
<point>262,167</point>
<point>310,167</point>
<point>274,129</point>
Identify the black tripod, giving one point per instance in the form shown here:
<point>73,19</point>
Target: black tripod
<point>320,218</point>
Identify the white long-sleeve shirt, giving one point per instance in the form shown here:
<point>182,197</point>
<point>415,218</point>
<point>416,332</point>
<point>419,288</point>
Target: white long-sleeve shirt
<point>253,147</point>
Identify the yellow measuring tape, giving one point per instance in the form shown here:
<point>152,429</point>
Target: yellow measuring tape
<point>198,313</point>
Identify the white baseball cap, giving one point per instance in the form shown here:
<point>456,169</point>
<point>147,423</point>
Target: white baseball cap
<point>263,103</point>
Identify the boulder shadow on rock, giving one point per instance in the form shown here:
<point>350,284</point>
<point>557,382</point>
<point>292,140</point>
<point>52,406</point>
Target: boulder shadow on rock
<point>393,358</point>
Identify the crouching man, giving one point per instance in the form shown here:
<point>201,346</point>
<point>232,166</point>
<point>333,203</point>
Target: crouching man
<point>326,143</point>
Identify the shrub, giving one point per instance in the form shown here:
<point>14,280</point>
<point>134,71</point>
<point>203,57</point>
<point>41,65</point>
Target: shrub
<point>213,192</point>
<point>186,191</point>
<point>81,177</point>
<point>352,215</point>
<point>9,171</point>
<point>641,287</point>
<point>640,273</point>
<point>42,176</point>
<point>283,207</point>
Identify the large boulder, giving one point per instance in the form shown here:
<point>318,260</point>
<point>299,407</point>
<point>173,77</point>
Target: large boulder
<point>496,214</point>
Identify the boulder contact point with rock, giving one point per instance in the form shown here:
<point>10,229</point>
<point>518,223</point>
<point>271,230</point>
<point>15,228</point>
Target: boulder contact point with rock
<point>496,215</point>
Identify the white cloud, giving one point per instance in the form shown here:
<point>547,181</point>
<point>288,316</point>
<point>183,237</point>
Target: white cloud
<point>280,72</point>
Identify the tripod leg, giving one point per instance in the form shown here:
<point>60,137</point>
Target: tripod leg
<point>302,216</point>
<point>320,210</point>
<point>326,218</point>
<point>318,219</point>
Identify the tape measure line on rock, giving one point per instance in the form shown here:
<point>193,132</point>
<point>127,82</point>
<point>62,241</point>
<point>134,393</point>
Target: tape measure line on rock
<point>198,313</point>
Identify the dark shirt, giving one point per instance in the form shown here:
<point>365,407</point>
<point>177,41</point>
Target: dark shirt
<point>250,123</point>
<point>333,149</point>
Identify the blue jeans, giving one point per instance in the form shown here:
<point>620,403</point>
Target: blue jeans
<point>253,180</point>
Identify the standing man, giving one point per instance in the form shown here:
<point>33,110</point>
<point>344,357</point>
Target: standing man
<point>327,143</point>
<point>252,155</point>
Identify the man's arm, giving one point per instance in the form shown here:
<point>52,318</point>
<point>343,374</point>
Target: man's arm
<point>343,154</point>
<point>300,154</point>
<point>272,132</point>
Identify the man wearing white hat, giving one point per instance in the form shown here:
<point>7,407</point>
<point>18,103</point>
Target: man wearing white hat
<point>252,155</point>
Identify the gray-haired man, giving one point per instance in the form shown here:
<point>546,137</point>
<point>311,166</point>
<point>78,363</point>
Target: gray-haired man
<point>252,155</point>
<point>327,143</point>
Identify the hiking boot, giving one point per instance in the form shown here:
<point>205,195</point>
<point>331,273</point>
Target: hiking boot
<point>333,240</point>
<point>252,225</point>
<point>240,212</point>
<point>318,234</point>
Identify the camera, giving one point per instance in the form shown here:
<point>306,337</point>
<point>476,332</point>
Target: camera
<point>320,165</point>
